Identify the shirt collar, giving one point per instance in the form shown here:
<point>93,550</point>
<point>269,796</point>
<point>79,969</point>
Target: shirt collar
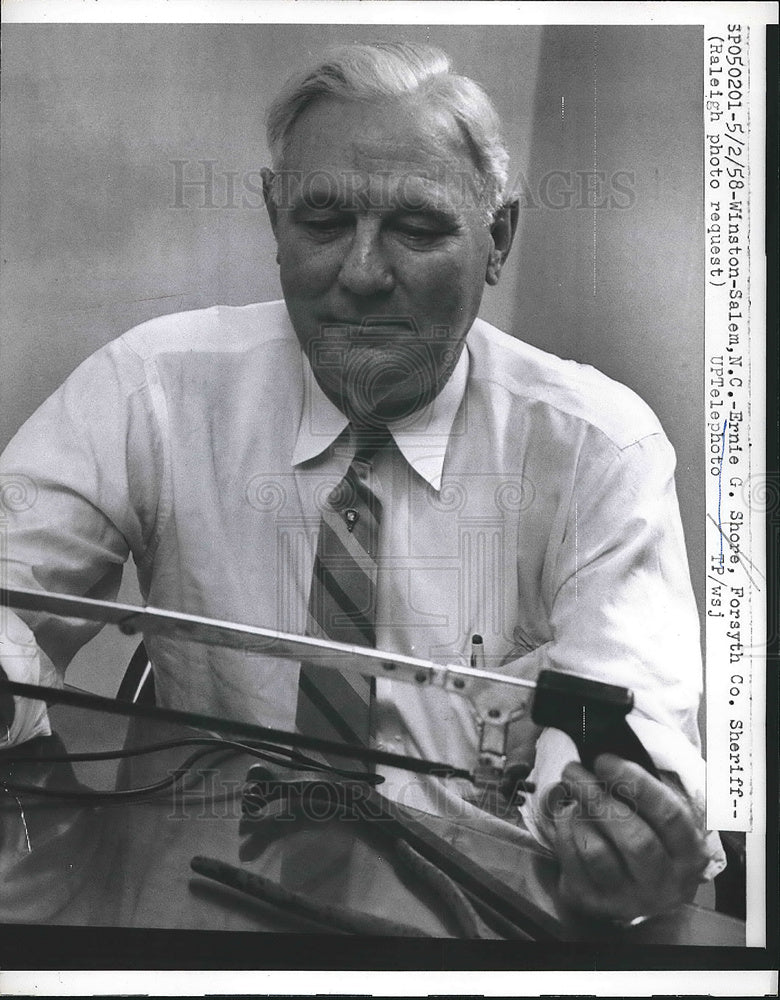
<point>321,420</point>
<point>421,438</point>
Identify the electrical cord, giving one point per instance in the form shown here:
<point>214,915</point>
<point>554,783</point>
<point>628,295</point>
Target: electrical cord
<point>91,795</point>
<point>140,751</point>
<point>281,756</point>
<point>249,747</point>
<point>213,723</point>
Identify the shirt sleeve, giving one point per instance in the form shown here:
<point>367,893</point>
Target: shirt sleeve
<point>623,611</point>
<point>75,503</point>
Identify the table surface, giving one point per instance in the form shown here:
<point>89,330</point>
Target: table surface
<point>127,864</point>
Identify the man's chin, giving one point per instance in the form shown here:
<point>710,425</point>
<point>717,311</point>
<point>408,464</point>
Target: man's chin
<point>380,408</point>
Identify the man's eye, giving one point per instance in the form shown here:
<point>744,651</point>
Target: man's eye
<point>419,235</point>
<point>324,228</point>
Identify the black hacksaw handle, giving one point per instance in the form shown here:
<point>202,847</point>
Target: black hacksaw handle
<point>592,713</point>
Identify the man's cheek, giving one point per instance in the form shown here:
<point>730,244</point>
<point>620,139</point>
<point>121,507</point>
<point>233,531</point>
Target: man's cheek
<point>301,289</point>
<point>306,269</point>
<point>440,313</point>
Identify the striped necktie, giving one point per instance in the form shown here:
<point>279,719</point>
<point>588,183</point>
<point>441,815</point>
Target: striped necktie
<point>342,603</point>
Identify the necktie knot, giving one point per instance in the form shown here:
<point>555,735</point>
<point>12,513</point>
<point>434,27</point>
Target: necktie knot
<point>368,441</point>
<point>355,489</point>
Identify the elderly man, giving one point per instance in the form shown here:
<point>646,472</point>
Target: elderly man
<point>494,489</point>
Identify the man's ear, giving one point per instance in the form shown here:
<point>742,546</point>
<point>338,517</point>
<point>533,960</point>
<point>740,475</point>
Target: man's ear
<point>268,196</point>
<point>502,231</point>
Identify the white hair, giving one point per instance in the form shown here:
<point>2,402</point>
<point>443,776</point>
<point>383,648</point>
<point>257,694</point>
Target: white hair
<point>382,70</point>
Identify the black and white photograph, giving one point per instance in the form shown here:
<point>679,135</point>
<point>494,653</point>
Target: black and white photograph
<point>379,500</point>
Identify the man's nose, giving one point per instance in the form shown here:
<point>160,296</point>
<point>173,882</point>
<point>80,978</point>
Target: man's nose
<point>366,269</point>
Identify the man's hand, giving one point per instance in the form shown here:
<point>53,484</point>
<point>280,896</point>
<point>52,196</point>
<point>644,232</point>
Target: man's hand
<point>628,845</point>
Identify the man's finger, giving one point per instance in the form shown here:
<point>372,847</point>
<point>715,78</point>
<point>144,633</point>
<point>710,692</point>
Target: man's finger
<point>577,885</point>
<point>592,880</point>
<point>634,844</point>
<point>663,809</point>
<point>598,856</point>
<point>581,844</point>
<point>596,796</point>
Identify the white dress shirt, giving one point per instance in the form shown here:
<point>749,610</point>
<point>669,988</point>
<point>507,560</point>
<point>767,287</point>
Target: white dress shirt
<point>531,502</point>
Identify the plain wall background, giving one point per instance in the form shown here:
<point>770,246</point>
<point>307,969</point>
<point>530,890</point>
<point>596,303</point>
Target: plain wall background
<point>93,117</point>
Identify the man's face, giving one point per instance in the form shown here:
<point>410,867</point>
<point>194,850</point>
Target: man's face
<point>383,251</point>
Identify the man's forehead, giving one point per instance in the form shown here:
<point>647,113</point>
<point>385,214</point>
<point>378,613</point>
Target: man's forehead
<point>384,153</point>
<point>391,154</point>
<point>375,166</point>
<point>378,185</point>
<point>398,135</point>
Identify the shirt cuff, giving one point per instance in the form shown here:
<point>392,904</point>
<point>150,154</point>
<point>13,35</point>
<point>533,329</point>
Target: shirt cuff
<point>669,750</point>
<point>23,662</point>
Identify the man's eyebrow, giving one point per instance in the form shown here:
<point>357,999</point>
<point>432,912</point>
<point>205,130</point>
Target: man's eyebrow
<point>430,213</point>
<point>300,205</point>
